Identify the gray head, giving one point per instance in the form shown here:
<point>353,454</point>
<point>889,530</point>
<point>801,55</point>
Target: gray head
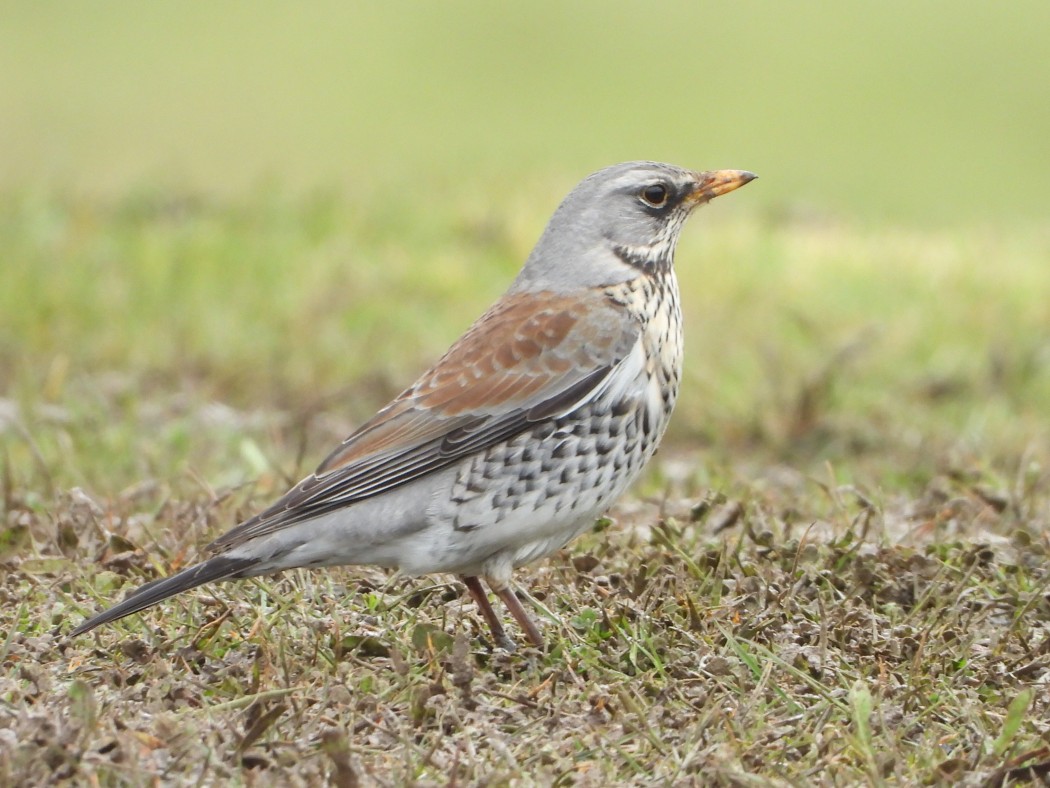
<point>619,223</point>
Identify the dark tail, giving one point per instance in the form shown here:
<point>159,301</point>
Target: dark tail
<point>217,568</point>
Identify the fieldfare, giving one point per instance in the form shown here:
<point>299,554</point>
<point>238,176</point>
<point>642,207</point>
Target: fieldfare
<point>531,425</point>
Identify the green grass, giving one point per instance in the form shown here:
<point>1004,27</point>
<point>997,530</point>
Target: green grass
<point>823,339</point>
<point>836,572</point>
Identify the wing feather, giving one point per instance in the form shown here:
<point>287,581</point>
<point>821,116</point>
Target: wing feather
<point>529,358</point>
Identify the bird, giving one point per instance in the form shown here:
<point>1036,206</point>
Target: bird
<point>522,434</point>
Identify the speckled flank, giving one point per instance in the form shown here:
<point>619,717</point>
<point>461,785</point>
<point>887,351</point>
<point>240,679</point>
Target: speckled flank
<point>522,499</point>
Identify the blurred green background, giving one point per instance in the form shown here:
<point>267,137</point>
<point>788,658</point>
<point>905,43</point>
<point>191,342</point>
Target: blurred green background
<point>916,112</point>
<point>288,210</point>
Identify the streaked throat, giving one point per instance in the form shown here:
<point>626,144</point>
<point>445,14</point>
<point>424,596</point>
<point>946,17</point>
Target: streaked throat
<point>648,259</point>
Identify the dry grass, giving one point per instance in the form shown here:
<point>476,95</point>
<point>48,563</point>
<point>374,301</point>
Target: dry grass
<point>794,632</point>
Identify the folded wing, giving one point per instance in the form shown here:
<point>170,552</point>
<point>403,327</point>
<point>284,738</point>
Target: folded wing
<point>530,357</point>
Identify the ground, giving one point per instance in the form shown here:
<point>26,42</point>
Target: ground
<point>835,572</point>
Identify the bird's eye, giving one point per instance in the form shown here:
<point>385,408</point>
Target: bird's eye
<point>655,195</point>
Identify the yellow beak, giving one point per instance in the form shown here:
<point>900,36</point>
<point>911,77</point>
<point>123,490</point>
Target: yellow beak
<point>716,182</point>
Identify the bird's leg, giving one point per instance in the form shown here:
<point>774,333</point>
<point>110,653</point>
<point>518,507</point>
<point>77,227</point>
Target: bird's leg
<point>514,606</point>
<point>498,632</point>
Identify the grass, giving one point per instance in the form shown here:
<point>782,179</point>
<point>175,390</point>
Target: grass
<point>836,572</point>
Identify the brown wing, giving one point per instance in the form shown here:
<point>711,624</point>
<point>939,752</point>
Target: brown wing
<point>527,358</point>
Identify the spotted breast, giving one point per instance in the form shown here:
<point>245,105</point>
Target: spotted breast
<point>527,497</point>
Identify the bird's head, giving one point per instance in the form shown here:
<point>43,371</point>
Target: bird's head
<point>621,222</point>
